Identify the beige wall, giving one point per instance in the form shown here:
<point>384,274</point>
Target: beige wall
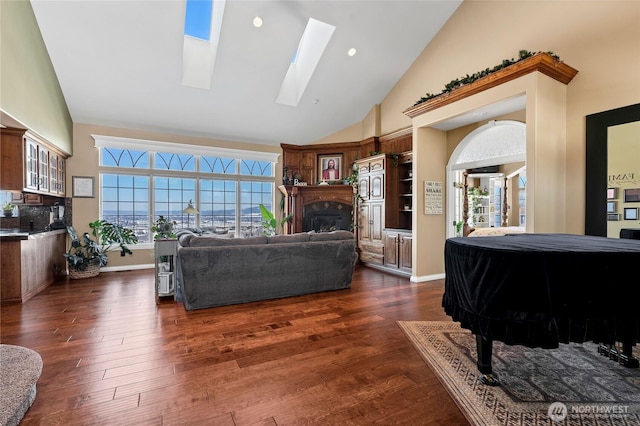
<point>85,163</point>
<point>30,95</point>
<point>601,39</point>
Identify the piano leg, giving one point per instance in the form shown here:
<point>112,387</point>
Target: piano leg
<point>485,348</point>
<point>626,357</point>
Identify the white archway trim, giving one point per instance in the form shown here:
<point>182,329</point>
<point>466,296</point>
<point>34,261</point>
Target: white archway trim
<point>497,142</point>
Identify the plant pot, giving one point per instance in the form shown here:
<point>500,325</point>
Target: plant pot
<point>8,213</point>
<point>91,271</point>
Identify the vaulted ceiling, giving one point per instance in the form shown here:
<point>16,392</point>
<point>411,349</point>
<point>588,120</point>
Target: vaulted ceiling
<point>119,63</point>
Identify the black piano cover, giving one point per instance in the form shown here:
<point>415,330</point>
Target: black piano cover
<point>539,290</point>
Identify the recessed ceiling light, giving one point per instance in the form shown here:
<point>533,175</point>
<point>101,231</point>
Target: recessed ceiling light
<point>352,51</point>
<point>257,22</point>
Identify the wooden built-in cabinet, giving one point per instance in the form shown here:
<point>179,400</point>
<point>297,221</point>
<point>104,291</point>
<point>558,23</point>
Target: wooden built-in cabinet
<point>385,193</point>
<point>30,165</point>
<point>397,250</point>
<point>371,208</point>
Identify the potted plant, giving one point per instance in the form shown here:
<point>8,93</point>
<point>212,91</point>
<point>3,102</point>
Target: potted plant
<point>7,209</point>
<point>88,253</point>
<point>163,228</point>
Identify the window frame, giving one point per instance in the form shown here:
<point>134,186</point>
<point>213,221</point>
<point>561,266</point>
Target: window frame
<point>153,147</point>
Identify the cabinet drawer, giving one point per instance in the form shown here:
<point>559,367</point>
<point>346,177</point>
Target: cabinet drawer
<point>372,258</point>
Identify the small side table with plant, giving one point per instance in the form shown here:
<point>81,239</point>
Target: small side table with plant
<point>165,248</point>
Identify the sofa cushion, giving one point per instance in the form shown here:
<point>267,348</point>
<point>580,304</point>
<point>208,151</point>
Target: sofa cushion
<point>290,238</point>
<point>212,241</point>
<point>333,235</point>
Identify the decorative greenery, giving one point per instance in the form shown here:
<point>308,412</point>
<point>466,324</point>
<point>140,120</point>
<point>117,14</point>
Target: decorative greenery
<point>352,179</point>
<point>476,194</point>
<point>459,228</point>
<point>85,250</point>
<point>461,81</point>
<point>270,225</point>
<point>394,157</point>
<point>8,206</point>
<point>163,228</point>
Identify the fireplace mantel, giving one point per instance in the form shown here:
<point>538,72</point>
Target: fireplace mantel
<point>300,196</point>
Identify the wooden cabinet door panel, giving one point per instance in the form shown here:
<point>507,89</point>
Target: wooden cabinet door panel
<point>377,221</point>
<point>391,249</point>
<point>405,252</point>
<point>377,186</point>
<point>11,159</point>
<point>364,226</point>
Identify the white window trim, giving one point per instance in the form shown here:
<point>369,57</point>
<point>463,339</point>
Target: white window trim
<point>179,148</point>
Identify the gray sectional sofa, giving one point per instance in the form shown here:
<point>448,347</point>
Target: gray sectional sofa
<point>215,271</point>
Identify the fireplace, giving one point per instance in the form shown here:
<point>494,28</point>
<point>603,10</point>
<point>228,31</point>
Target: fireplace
<point>322,208</point>
<point>326,216</point>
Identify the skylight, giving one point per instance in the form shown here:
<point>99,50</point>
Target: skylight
<point>202,27</point>
<point>305,59</point>
<point>197,20</point>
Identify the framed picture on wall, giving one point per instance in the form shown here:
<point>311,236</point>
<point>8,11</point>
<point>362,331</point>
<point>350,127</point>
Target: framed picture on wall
<point>611,206</point>
<point>613,216</point>
<point>630,213</point>
<point>612,193</point>
<point>330,168</point>
<point>82,186</point>
<point>632,195</point>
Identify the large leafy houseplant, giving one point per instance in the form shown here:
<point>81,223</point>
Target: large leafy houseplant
<point>91,248</point>
<point>270,225</point>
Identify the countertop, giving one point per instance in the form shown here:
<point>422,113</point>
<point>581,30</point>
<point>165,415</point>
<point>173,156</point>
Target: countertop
<point>19,234</point>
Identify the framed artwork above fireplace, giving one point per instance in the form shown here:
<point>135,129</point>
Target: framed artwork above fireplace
<point>330,168</point>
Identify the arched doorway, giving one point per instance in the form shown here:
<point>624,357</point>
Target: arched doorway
<point>487,150</point>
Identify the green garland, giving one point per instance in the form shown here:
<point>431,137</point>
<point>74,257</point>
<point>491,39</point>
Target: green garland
<point>454,84</point>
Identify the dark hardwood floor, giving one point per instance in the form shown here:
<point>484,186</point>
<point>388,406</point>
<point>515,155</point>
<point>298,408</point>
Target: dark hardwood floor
<point>113,357</point>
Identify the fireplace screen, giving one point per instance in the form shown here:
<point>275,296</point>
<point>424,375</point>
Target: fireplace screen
<point>326,216</point>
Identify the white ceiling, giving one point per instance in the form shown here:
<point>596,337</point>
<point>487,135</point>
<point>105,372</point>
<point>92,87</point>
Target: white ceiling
<point>119,64</point>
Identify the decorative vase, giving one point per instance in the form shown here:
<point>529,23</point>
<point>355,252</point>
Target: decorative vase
<point>8,213</point>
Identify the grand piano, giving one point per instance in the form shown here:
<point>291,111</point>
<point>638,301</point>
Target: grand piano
<point>539,290</point>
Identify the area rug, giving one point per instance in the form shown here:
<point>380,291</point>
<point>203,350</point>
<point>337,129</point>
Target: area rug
<point>570,385</point>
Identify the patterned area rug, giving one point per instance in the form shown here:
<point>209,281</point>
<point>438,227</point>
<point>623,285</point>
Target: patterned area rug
<point>571,385</point>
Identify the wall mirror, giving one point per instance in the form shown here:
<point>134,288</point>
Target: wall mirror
<point>603,132</point>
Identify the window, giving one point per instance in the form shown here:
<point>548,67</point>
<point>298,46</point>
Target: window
<point>522,202</point>
<point>225,186</point>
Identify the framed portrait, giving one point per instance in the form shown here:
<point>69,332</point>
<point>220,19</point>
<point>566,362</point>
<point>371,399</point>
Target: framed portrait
<point>330,168</point>
<point>612,193</point>
<point>632,195</point>
<point>611,206</point>
<point>630,213</point>
<point>82,186</point>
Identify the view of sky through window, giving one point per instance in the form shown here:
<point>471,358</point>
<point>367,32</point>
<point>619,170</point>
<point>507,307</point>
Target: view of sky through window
<point>197,21</point>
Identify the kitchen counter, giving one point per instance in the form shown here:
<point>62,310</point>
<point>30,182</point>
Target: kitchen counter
<point>30,262</point>
<point>18,234</point>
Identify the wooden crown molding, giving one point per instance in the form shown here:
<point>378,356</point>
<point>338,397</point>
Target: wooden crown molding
<point>405,132</point>
<point>541,62</point>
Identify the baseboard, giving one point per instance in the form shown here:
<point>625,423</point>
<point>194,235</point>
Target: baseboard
<point>126,267</point>
<point>423,278</point>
